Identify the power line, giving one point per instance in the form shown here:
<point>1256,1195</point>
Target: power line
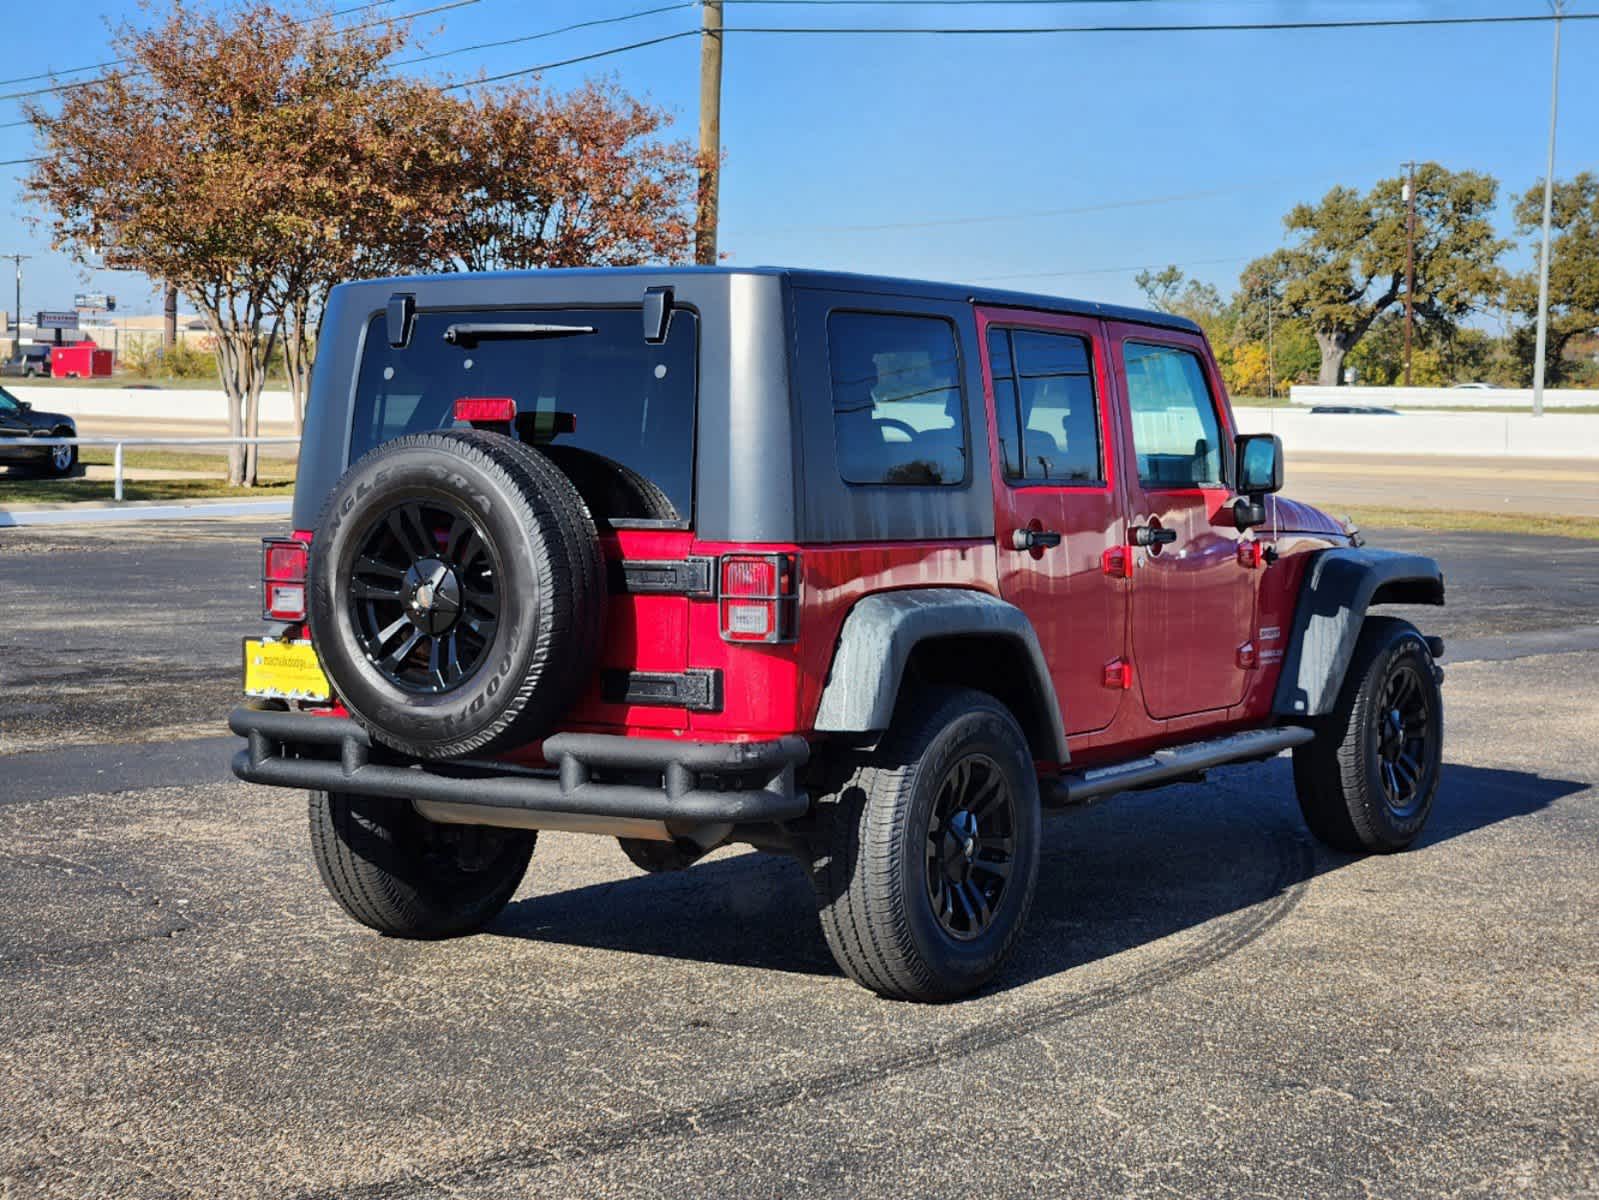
<point>421,12</point>
<point>117,62</point>
<point>1228,27</point>
<point>566,62</point>
<point>1197,262</point>
<point>1256,26</point>
<point>549,33</point>
<point>946,3</point>
<point>1034,214</point>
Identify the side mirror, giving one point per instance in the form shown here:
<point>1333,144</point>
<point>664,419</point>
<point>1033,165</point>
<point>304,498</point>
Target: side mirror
<point>1260,464</point>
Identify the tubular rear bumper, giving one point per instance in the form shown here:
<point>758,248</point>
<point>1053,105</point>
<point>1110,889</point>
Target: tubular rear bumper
<point>699,782</point>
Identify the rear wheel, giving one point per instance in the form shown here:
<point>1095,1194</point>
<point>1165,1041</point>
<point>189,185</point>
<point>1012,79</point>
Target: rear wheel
<point>931,855</point>
<point>1367,783</point>
<point>401,874</point>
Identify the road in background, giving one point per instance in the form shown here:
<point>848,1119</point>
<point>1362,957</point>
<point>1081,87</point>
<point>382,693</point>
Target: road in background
<point>1537,486</point>
<point>1203,1003</point>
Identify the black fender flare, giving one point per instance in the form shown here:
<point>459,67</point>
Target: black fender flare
<point>1339,585</point>
<point>882,630</point>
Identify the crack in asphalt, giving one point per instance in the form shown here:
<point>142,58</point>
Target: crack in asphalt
<point>1296,867</point>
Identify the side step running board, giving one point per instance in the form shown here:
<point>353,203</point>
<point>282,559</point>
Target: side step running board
<point>1176,762</point>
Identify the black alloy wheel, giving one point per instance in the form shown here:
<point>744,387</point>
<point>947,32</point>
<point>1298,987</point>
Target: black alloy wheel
<point>1367,783</point>
<point>927,855</point>
<point>1404,727</point>
<point>425,595</point>
<point>456,593</point>
<point>970,844</point>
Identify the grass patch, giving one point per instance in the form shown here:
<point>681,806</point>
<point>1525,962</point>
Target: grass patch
<point>1472,522</point>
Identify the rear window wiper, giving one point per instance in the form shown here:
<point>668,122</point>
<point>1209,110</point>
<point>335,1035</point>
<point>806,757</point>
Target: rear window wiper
<point>471,333</point>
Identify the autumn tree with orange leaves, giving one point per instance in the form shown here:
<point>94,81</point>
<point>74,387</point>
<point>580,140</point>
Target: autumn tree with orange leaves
<point>256,159</point>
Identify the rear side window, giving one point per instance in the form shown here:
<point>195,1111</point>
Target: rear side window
<point>1175,431</point>
<point>606,405</point>
<point>1044,406</point>
<point>898,416</point>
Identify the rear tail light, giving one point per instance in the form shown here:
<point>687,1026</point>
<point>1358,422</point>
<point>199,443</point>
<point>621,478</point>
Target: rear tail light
<point>758,597</point>
<point>283,567</point>
<point>482,409</point>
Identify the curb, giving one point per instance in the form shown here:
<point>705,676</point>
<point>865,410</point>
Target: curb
<point>143,511</point>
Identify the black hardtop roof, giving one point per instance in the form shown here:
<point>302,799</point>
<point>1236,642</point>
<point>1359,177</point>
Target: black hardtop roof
<point>845,281</point>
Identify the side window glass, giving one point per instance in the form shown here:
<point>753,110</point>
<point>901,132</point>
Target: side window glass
<point>1045,407</point>
<point>8,405</point>
<point>897,411</point>
<point>1006,420</point>
<point>1175,432</point>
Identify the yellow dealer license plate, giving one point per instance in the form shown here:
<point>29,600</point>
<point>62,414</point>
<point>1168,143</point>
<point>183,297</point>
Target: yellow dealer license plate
<point>283,671</point>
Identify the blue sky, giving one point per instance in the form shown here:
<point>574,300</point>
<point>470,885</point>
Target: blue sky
<point>1184,148</point>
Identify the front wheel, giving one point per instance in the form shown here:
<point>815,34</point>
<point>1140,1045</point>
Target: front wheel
<point>1367,783</point>
<point>63,459</point>
<point>926,874</point>
<point>401,874</point>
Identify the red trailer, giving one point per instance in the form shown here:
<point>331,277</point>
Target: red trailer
<point>81,360</point>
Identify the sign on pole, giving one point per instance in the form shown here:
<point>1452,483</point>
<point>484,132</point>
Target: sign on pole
<point>55,320</point>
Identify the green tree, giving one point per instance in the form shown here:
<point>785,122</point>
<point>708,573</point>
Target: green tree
<point>1170,291</point>
<point>1573,272</point>
<point>1347,266</point>
<point>196,163</point>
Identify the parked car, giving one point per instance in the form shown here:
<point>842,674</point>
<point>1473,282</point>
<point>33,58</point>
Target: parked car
<point>1476,387</point>
<point>866,571</point>
<point>28,362</point>
<point>1363,410</point>
<point>19,419</point>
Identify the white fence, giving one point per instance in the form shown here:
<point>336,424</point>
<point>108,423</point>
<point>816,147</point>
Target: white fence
<point>1430,397</point>
<point>149,404</point>
<point>1485,435</point>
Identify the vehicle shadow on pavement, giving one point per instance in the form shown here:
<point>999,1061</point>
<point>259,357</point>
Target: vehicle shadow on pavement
<point>1114,877</point>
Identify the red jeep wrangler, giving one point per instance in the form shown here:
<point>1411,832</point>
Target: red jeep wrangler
<point>862,570</point>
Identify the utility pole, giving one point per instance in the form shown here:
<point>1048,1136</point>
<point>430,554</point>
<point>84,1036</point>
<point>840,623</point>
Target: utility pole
<point>1410,260</point>
<point>16,317</point>
<point>1548,207</point>
<point>710,132</point>
<point>1271,347</point>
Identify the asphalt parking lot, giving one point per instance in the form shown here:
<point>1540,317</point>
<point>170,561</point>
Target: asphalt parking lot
<point>1205,1003</point>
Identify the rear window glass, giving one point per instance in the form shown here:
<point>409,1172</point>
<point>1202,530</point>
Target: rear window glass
<point>607,395</point>
<point>897,411</point>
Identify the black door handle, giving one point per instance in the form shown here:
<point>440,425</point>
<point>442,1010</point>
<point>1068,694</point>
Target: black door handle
<point>1034,539</point>
<point>1152,535</point>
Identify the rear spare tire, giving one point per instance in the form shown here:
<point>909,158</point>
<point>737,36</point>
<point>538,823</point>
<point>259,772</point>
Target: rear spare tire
<point>456,593</point>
